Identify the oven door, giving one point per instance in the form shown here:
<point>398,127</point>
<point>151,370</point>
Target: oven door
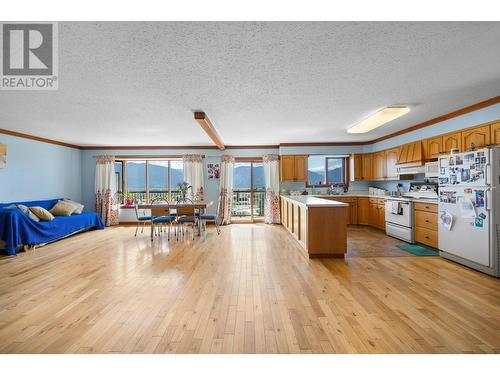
<point>405,218</point>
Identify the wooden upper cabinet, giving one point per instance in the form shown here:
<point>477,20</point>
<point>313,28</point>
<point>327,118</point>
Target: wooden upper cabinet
<point>301,168</point>
<point>379,166</point>
<point>391,158</point>
<point>495,133</point>
<point>356,167</point>
<point>452,140</point>
<point>411,153</point>
<point>287,167</point>
<point>293,168</point>
<point>367,166</point>
<point>433,147</point>
<point>475,137</point>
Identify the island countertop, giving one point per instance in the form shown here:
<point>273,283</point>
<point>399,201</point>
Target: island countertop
<point>309,201</point>
<point>319,225</point>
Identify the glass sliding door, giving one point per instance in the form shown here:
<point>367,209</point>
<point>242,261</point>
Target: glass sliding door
<point>248,190</point>
<point>258,190</point>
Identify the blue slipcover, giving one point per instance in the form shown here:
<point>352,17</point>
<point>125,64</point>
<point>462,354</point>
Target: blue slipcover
<point>16,228</point>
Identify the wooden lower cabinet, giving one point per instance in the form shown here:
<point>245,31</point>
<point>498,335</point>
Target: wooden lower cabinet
<point>296,220</point>
<point>372,214</point>
<point>426,224</point>
<point>363,211</point>
<point>352,217</point>
<point>376,213</point>
<point>381,214</point>
<point>320,230</point>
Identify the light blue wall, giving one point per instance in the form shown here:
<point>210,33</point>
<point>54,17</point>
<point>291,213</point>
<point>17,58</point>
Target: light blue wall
<point>211,156</point>
<point>37,170</point>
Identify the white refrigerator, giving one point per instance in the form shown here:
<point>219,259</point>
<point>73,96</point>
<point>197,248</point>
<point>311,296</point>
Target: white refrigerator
<point>469,211</point>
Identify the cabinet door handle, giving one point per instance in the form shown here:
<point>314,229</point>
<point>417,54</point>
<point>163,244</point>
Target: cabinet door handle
<point>427,221</point>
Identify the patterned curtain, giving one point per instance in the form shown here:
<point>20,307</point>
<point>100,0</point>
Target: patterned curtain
<point>226,188</point>
<point>193,175</point>
<point>272,182</point>
<point>105,189</point>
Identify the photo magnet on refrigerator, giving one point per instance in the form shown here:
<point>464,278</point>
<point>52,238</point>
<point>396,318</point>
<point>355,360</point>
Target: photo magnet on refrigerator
<point>478,222</point>
<point>479,198</point>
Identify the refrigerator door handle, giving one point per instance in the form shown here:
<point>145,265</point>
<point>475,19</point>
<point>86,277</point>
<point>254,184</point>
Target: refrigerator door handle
<point>487,174</point>
<point>488,199</point>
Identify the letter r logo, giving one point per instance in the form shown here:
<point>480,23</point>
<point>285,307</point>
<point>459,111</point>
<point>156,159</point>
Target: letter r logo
<point>27,49</point>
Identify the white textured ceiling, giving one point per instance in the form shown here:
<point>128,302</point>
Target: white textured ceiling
<point>134,83</point>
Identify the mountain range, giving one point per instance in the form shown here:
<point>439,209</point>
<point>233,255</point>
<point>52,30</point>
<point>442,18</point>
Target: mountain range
<point>136,177</point>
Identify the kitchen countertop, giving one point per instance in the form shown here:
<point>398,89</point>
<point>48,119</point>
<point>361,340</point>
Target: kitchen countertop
<point>366,195</point>
<point>349,195</point>
<point>313,201</point>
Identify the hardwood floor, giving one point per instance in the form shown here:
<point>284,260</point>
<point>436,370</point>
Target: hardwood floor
<point>247,291</point>
<point>365,241</point>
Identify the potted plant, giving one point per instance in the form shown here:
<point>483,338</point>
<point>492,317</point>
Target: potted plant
<point>183,188</point>
<point>128,198</point>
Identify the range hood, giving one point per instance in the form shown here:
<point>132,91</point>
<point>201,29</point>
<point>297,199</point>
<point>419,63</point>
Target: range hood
<point>410,160</point>
<point>401,170</point>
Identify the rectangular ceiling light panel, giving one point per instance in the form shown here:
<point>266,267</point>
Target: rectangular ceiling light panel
<point>378,119</point>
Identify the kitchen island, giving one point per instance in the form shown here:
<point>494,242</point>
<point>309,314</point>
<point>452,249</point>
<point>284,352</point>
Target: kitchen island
<point>319,225</point>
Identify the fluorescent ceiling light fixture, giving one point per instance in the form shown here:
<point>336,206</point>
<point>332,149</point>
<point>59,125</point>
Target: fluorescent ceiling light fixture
<point>378,119</point>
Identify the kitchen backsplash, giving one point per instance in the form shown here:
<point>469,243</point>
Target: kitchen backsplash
<point>357,185</point>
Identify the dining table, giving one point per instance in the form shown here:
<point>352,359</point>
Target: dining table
<point>167,206</point>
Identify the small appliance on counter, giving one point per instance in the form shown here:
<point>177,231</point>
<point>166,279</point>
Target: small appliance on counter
<point>376,191</point>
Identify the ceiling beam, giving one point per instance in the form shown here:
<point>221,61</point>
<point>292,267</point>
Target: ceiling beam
<point>202,119</point>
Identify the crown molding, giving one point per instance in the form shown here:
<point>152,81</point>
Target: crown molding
<point>39,139</point>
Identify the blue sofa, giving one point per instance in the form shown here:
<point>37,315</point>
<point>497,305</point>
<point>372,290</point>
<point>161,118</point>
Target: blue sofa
<point>17,229</point>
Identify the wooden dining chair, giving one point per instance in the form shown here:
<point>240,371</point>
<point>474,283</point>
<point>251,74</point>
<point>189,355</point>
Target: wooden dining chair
<point>161,216</point>
<point>186,214</point>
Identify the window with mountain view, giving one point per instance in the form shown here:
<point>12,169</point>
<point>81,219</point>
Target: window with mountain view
<point>150,180</point>
<point>326,170</point>
<point>248,190</point>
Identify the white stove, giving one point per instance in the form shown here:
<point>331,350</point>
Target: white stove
<point>399,210</point>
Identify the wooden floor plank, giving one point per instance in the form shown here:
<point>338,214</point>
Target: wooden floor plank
<point>249,290</point>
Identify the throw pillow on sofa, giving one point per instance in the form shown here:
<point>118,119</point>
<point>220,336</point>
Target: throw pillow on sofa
<point>42,213</point>
<point>62,208</point>
<point>27,211</point>
<point>79,206</point>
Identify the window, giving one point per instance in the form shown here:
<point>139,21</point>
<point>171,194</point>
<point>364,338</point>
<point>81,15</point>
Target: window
<point>326,170</point>
<point>248,189</point>
<point>149,180</point>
